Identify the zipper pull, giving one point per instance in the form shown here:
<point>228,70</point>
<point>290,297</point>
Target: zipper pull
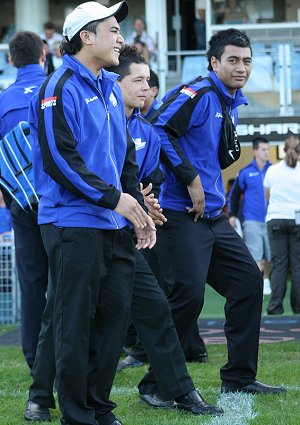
<point>108,116</point>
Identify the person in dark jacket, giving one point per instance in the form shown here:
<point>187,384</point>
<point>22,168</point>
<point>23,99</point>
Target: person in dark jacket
<point>203,245</point>
<point>27,55</point>
<point>87,179</point>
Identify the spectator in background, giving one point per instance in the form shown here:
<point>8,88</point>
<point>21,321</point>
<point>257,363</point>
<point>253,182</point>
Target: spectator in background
<point>151,105</point>
<point>199,24</point>
<point>139,31</point>
<point>235,12</point>
<point>56,58</point>
<point>142,48</point>
<point>53,60</point>
<point>249,183</point>
<point>283,192</point>
<point>48,66</point>
<point>50,35</point>
<point>27,54</point>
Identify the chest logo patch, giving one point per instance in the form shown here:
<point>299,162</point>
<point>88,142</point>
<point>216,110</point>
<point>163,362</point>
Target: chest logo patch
<point>189,92</point>
<point>139,144</point>
<point>48,102</point>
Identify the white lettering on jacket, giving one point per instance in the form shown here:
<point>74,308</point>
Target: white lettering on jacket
<point>90,99</point>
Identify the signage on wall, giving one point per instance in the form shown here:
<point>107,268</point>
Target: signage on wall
<point>275,129</point>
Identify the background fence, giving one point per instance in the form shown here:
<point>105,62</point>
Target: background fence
<point>9,285</point>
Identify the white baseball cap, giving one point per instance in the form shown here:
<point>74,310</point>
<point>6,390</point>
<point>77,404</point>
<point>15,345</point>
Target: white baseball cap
<point>89,12</point>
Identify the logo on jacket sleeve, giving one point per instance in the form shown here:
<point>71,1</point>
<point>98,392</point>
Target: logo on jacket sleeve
<point>189,92</point>
<point>139,144</point>
<point>48,102</point>
<point>28,90</point>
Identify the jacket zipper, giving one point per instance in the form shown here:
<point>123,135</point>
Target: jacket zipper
<point>109,151</point>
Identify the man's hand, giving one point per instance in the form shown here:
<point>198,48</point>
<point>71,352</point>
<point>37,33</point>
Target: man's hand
<point>196,193</point>
<point>144,227</point>
<point>129,208</point>
<point>154,209</point>
<point>146,237</point>
<point>232,221</point>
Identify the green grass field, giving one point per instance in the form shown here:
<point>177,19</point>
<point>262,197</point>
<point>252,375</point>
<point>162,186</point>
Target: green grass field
<point>278,364</point>
<point>214,305</point>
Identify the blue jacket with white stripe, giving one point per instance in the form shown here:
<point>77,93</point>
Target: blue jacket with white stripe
<point>249,182</point>
<point>83,158</point>
<point>189,128</point>
<point>147,146</point>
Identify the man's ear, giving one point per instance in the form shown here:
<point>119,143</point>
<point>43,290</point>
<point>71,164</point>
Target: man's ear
<point>43,57</point>
<point>214,63</point>
<point>86,37</point>
<point>10,60</point>
<point>154,90</point>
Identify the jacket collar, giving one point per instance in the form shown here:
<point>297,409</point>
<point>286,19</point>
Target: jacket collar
<point>105,79</point>
<point>267,164</point>
<point>29,69</point>
<point>136,112</point>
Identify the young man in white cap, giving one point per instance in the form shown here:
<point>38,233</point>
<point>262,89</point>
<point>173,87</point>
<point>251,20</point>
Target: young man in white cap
<point>150,310</point>
<point>83,167</point>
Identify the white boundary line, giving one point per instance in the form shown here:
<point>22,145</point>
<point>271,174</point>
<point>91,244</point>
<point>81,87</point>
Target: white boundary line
<point>238,409</point>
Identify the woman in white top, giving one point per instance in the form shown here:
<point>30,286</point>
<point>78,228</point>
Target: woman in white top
<point>282,188</point>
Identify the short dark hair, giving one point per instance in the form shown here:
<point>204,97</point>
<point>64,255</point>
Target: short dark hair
<point>223,38</point>
<point>74,45</point>
<point>154,81</point>
<point>257,141</point>
<point>25,48</point>
<point>128,55</point>
<point>49,26</point>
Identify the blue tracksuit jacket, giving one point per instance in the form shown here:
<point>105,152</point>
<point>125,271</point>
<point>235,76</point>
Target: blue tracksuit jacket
<point>190,134</point>
<point>147,146</point>
<point>249,181</point>
<point>152,110</point>
<point>81,152</point>
<point>15,100</point>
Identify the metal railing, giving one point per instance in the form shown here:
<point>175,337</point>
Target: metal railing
<point>9,284</point>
